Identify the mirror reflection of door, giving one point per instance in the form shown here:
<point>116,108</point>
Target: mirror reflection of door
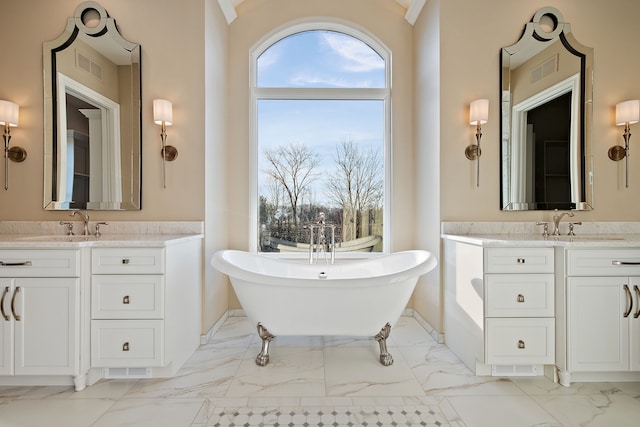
<point>549,129</point>
<point>78,151</point>
<point>84,111</point>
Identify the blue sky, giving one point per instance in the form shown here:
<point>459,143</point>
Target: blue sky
<point>320,59</point>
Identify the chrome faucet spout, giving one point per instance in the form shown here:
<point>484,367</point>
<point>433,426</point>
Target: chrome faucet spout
<point>85,219</point>
<point>556,221</point>
<point>319,244</point>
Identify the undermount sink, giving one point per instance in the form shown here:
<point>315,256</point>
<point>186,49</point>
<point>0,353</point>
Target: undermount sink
<point>58,238</point>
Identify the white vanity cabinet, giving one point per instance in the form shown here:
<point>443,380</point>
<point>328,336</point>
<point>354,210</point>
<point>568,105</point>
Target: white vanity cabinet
<point>602,314</point>
<point>40,315</point>
<point>519,306</point>
<point>145,309</point>
<point>499,307</point>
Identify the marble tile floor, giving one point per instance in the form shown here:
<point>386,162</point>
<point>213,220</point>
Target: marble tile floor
<point>323,381</point>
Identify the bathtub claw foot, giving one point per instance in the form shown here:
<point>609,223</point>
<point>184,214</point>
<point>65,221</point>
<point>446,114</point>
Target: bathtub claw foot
<point>385,357</point>
<point>263,357</point>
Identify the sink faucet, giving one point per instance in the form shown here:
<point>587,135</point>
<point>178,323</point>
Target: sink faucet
<point>85,218</point>
<point>556,221</point>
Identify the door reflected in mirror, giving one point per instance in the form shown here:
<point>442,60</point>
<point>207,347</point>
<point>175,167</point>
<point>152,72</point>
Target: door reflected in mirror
<point>546,99</point>
<point>92,115</point>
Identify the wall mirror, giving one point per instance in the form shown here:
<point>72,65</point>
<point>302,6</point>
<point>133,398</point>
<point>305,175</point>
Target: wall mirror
<point>93,134</point>
<point>546,116</point>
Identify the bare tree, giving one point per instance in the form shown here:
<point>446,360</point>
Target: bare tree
<point>293,167</point>
<point>357,185</point>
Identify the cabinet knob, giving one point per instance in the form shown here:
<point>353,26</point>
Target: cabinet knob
<point>521,260</point>
<point>520,344</point>
<point>125,299</point>
<point>125,260</point>
<point>520,298</point>
<point>125,346</point>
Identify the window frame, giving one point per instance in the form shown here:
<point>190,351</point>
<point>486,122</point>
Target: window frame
<point>287,93</point>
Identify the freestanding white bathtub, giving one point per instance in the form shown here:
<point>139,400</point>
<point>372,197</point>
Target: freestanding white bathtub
<point>350,298</point>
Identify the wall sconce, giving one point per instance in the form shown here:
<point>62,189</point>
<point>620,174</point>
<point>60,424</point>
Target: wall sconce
<point>9,118</point>
<point>163,115</point>
<point>478,115</point>
<point>627,113</point>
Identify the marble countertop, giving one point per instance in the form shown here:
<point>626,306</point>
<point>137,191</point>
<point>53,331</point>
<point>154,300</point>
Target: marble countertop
<point>145,234</point>
<point>39,241</point>
<point>595,241</point>
<point>588,234</point>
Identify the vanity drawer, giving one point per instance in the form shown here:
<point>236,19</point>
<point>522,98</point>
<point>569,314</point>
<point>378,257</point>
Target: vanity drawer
<point>126,343</point>
<point>598,262</point>
<point>518,260</point>
<point>127,297</point>
<point>39,263</point>
<point>519,295</point>
<point>520,341</point>
<point>127,261</point>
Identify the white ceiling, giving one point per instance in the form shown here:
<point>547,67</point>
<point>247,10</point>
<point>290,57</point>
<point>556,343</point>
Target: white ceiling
<point>413,9</point>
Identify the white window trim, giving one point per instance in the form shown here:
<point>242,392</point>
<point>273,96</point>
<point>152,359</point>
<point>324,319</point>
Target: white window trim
<point>256,94</point>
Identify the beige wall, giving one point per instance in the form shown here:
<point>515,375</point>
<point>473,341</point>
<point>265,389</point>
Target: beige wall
<point>172,37</point>
<point>608,27</point>
<point>427,298</point>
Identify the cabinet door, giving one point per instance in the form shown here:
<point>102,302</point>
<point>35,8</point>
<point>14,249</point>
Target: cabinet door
<point>6,328</point>
<point>47,330</point>
<point>598,332</point>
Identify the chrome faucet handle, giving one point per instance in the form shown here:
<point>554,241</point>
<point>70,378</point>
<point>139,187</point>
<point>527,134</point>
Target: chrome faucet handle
<point>69,226</point>
<point>571,224</point>
<point>98,224</point>
<point>545,228</point>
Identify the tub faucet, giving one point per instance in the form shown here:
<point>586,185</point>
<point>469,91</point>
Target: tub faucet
<point>85,219</point>
<point>556,221</point>
<point>320,243</point>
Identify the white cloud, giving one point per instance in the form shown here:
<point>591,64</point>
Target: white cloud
<point>303,80</point>
<point>358,56</point>
<point>268,58</point>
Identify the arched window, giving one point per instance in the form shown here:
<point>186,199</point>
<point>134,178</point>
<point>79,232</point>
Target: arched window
<point>321,138</point>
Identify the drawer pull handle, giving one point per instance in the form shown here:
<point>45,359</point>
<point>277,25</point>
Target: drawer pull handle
<point>125,260</point>
<point>15,264</point>
<point>520,344</point>
<point>637,313</point>
<point>125,300</point>
<point>4,295</point>
<point>521,260</point>
<point>520,298</point>
<point>625,262</point>
<point>629,300</point>
<point>13,304</point>
<point>125,346</point>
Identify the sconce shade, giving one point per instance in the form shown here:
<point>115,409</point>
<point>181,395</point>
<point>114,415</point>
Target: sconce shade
<point>162,112</point>
<point>479,112</point>
<point>627,112</point>
<point>9,113</point>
